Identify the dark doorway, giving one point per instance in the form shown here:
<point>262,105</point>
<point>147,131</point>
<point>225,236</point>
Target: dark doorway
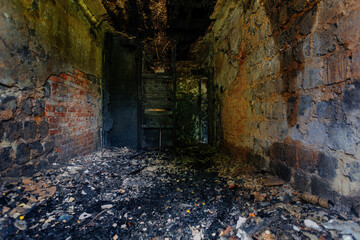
<point>121,92</point>
<point>192,104</point>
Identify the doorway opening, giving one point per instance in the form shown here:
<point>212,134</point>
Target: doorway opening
<point>121,109</point>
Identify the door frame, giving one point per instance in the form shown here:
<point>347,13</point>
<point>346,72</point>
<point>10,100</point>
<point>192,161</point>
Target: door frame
<point>108,46</point>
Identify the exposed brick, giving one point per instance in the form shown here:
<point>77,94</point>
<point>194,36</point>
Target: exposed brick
<point>43,129</point>
<point>324,42</point>
<point>22,153</point>
<point>353,171</point>
<point>306,47</point>
<point>53,132</point>
<point>47,90</point>
<point>326,110</point>
<point>29,131</point>
<point>336,68</point>
<point>341,137</point>
<point>39,108</point>
<point>312,77</point>
<point>296,134</point>
<point>302,182</point>
<point>26,106</point>
<point>291,110</point>
<point>349,28</point>
<point>49,147</point>
<point>69,120</point>
<point>299,53</point>
<point>26,87</point>
<point>327,166</point>
<point>304,105</point>
<point>317,52</point>
<point>355,64</point>
<point>307,162</point>
<point>288,58</point>
<point>273,128</point>
<point>290,155</point>
<point>322,188</point>
<point>36,149</point>
<point>8,103</point>
<point>316,133</point>
<point>6,115</point>
<point>277,152</point>
<point>352,97</point>
<point>282,171</point>
<point>283,15</point>
<point>5,158</point>
<point>297,5</point>
<point>307,23</point>
<point>13,130</point>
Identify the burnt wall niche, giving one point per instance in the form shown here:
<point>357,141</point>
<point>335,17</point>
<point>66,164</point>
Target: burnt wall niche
<point>286,74</point>
<point>50,84</point>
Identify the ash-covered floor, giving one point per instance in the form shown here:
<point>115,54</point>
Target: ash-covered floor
<point>124,194</point>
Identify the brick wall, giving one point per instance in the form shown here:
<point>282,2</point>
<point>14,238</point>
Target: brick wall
<point>73,113</point>
<point>63,122</point>
<point>23,140</point>
<point>288,81</point>
<point>45,119</point>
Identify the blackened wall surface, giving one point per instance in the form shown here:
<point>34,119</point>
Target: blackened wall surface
<point>287,79</point>
<point>50,74</point>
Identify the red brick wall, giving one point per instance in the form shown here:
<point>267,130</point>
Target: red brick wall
<point>73,114</point>
<point>29,54</point>
<point>60,121</point>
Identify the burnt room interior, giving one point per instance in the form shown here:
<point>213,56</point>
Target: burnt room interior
<point>169,119</point>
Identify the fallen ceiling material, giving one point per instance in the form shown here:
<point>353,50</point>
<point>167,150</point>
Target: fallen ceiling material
<point>124,194</point>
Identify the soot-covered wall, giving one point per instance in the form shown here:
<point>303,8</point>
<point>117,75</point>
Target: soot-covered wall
<point>287,76</point>
<point>50,78</point>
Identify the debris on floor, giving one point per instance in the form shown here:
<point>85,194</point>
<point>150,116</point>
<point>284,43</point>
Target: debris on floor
<point>124,194</point>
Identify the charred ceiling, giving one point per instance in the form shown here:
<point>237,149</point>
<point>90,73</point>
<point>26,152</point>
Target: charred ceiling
<point>188,20</point>
<point>128,15</point>
<point>161,20</point>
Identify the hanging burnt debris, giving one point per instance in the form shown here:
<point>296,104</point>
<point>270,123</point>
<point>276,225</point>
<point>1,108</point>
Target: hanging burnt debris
<point>161,23</point>
<point>158,45</point>
<point>188,20</point>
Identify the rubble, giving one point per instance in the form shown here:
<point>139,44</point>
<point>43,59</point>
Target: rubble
<point>347,228</point>
<point>322,202</point>
<point>311,224</point>
<point>104,196</point>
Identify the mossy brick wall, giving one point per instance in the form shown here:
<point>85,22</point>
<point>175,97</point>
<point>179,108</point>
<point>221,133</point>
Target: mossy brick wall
<point>289,86</point>
<point>50,78</point>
